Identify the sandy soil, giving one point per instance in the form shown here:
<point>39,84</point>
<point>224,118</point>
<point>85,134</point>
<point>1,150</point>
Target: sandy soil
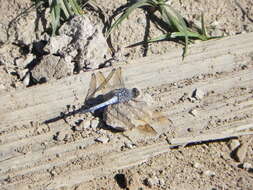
<point>37,156</point>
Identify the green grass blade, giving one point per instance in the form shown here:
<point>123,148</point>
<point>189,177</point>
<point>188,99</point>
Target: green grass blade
<point>171,16</point>
<point>203,28</point>
<point>62,9</point>
<point>55,15</point>
<point>159,38</point>
<point>65,8</point>
<point>75,7</point>
<point>127,12</point>
<point>177,22</point>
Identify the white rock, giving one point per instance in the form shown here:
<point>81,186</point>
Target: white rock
<point>26,80</point>
<point>152,181</point>
<point>29,58</point>
<point>62,135</point>
<point>94,123</point>
<point>215,23</point>
<point>191,99</point>
<point>193,112</point>
<point>197,165</point>
<point>234,144</point>
<point>102,139</point>
<point>198,94</point>
<point>22,73</point>
<point>129,145</point>
<point>209,173</point>
<point>24,61</point>
<point>247,165</point>
<point>86,124</point>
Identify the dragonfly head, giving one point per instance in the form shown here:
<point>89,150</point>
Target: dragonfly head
<point>135,92</point>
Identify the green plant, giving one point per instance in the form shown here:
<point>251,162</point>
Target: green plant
<point>61,10</point>
<point>68,8</point>
<point>175,22</point>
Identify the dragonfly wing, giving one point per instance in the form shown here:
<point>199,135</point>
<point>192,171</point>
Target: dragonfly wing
<point>92,87</point>
<point>153,119</point>
<point>97,83</point>
<point>143,119</point>
<point>104,82</point>
<point>142,130</point>
<point>118,81</point>
<point>123,117</point>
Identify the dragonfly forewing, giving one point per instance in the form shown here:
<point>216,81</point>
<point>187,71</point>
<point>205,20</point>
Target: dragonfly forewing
<point>104,82</point>
<point>92,87</point>
<point>98,82</point>
<point>117,80</point>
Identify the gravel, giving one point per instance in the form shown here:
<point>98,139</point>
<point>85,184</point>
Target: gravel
<point>198,94</point>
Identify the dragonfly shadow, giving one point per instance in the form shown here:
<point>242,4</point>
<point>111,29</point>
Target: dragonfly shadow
<point>89,103</point>
<point>104,126</point>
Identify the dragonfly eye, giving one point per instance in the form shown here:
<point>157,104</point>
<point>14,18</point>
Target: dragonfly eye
<point>135,92</point>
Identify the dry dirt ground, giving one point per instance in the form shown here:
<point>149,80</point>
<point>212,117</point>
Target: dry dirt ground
<point>66,155</point>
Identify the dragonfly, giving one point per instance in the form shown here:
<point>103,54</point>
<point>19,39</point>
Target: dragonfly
<point>124,109</point>
<point>116,96</point>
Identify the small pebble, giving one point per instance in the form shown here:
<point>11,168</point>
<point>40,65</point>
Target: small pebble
<point>198,94</point>
<point>209,173</point>
<point>193,112</point>
<point>241,152</point>
<point>2,87</point>
<point>190,130</point>
<point>161,182</point>
<point>78,128</point>
<point>200,77</point>
<point>129,145</point>
<point>247,165</point>
<point>102,139</point>
<point>62,135</point>
<point>191,99</point>
<point>184,97</point>
<point>152,181</point>
<point>22,73</point>
<point>148,99</point>
<point>26,80</point>
<point>23,62</point>
<point>94,123</point>
<point>197,165</point>
<point>215,23</point>
<point>234,144</point>
<point>84,125</point>
<point>141,21</point>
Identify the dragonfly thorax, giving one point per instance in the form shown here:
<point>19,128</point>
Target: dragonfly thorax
<point>124,94</point>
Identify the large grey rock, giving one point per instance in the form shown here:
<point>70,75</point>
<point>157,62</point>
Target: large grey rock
<point>82,40</point>
<point>52,67</point>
